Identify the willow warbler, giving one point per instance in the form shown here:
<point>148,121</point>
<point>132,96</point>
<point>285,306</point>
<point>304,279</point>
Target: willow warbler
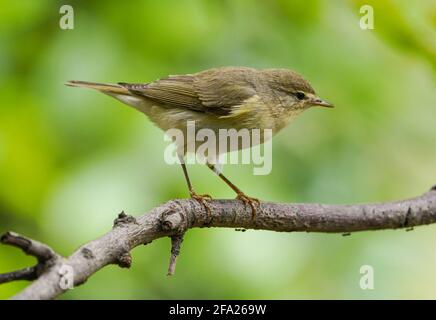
<point>219,98</point>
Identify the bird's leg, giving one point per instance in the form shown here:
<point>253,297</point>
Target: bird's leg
<point>202,198</point>
<point>252,202</point>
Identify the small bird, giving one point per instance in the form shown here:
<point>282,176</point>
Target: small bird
<point>218,98</point>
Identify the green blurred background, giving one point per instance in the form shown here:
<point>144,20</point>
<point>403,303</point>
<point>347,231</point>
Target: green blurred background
<point>71,159</point>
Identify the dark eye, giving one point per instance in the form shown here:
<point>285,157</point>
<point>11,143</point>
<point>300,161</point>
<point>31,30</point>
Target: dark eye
<point>300,95</point>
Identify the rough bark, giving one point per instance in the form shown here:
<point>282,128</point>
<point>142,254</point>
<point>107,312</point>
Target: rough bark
<point>175,217</point>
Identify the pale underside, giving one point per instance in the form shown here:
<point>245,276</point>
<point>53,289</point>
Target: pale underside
<point>252,117</point>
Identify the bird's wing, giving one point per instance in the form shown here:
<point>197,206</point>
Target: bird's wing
<point>173,91</point>
<point>222,89</point>
<point>214,91</point>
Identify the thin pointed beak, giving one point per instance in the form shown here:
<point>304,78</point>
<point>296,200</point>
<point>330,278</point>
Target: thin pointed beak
<point>322,103</point>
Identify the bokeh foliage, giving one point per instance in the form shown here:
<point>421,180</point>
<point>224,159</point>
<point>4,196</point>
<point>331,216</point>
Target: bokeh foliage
<point>71,159</point>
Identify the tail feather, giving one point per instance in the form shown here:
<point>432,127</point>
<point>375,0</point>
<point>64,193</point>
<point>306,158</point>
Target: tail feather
<point>104,87</point>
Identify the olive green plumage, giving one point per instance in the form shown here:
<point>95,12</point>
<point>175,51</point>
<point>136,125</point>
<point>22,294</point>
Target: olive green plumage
<point>220,98</point>
<point>226,97</point>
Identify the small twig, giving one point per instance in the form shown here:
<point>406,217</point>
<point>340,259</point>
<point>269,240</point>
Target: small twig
<point>22,274</point>
<point>31,247</point>
<point>176,242</point>
<point>43,253</point>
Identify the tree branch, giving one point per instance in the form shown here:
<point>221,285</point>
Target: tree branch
<point>175,217</point>
<point>44,254</point>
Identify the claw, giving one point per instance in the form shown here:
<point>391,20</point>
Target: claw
<point>252,202</point>
<point>202,198</point>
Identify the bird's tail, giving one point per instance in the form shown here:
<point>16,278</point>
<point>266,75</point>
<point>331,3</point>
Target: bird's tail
<point>103,87</point>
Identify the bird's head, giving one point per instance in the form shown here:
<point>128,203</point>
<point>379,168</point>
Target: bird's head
<point>293,91</point>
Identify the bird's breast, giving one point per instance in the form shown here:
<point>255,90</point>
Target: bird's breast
<point>248,124</point>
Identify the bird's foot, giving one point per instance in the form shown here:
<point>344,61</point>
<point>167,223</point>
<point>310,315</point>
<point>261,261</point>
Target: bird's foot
<point>203,198</point>
<point>252,202</point>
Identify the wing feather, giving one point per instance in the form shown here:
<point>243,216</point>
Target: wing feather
<point>214,91</point>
